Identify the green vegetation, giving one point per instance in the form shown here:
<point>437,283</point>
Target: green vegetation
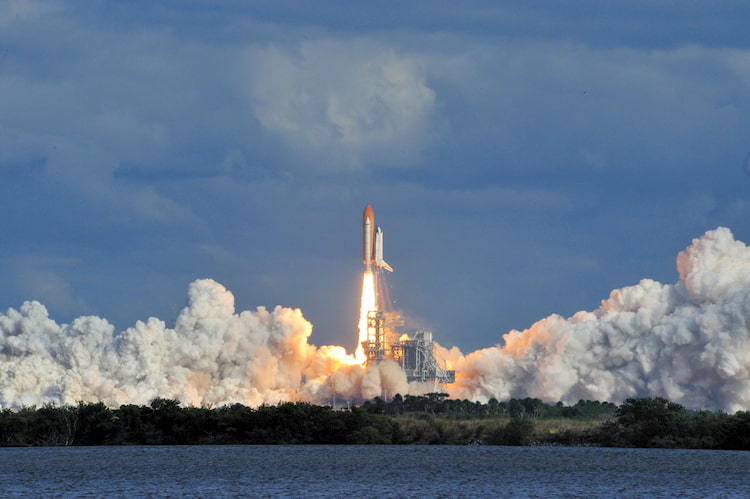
<point>657,422</point>
<point>430,419</point>
<point>165,422</point>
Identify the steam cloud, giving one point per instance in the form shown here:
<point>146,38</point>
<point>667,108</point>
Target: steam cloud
<point>211,357</point>
<point>688,342</point>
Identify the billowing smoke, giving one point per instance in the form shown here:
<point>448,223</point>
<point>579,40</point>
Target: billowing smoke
<point>688,342</point>
<point>212,356</point>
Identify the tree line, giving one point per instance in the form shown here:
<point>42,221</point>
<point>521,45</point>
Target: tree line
<point>429,419</point>
<point>164,422</point>
<point>528,408</point>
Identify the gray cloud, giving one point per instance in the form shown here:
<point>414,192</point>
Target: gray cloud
<point>343,104</point>
<point>40,277</point>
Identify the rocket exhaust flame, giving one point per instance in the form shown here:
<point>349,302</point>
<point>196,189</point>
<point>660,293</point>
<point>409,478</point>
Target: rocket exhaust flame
<point>688,342</point>
<point>368,303</point>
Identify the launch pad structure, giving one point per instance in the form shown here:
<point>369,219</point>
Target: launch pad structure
<point>416,356</point>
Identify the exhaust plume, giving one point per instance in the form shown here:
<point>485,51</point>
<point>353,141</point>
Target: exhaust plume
<point>368,303</point>
<point>212,356</point>
<point>688,342</point>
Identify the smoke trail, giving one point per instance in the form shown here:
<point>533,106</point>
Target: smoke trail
<point>688,342</point>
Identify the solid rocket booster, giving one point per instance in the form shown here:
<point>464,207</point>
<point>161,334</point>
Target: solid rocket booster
<point>372,243</point>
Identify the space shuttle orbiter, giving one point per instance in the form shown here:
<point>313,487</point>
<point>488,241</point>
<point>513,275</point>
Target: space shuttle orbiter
<point>379,262</point>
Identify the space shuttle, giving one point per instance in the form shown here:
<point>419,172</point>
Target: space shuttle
<point>372,243</point>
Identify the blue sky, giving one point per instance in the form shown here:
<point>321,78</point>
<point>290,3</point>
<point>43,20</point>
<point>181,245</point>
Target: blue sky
<point>522,158</point>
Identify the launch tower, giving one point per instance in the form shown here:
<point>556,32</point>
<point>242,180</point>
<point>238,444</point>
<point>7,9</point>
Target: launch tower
<point>416,356</point>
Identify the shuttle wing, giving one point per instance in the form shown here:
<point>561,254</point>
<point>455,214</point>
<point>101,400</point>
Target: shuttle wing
<point>381,264</point>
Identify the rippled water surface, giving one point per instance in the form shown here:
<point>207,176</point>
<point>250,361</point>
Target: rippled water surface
<point>371,471</point>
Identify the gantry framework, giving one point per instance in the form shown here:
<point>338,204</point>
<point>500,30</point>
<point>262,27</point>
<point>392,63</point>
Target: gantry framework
<point>416,356</point>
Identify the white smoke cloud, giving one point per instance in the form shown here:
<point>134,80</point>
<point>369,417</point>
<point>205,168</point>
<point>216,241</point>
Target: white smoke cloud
<point>688,342</point>
<point>212,356</point>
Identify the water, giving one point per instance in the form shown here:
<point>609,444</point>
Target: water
<point>371,471</point>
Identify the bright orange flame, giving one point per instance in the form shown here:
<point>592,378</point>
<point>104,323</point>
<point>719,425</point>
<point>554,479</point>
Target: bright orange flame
<point>368,303</point>
<point>331,358</point>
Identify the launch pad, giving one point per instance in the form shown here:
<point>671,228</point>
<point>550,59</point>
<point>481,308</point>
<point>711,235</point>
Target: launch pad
<point>416,356</point>
<point>381,339</point>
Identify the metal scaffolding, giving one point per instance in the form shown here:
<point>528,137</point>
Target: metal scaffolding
<point>375,344</point>
<point>416,356</point>
<point>419,362</point>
